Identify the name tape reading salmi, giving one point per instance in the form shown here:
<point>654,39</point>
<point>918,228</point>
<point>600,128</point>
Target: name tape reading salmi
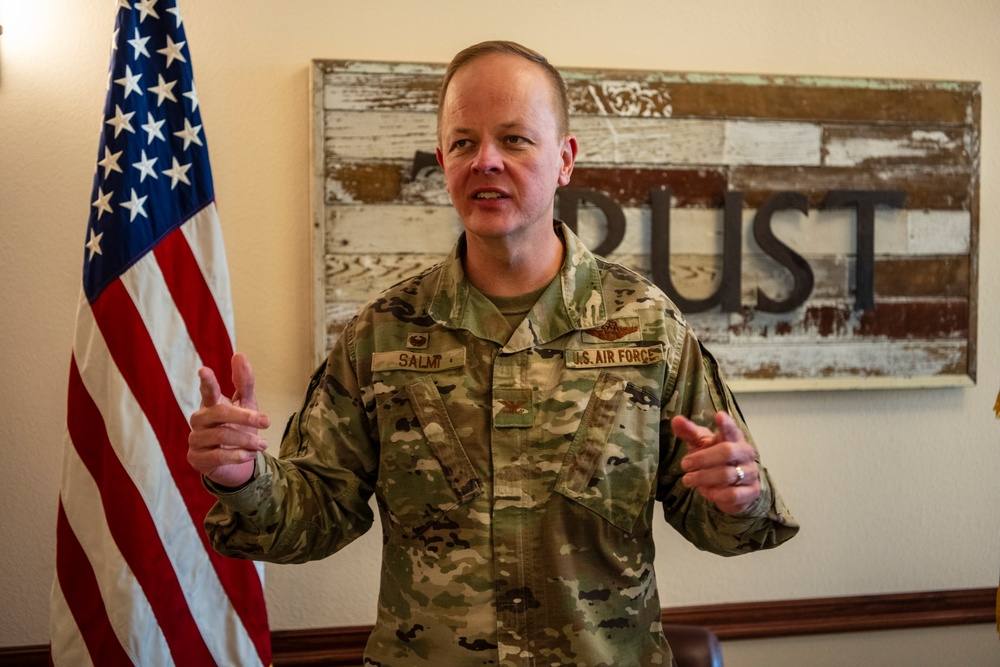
<point>404,360</point>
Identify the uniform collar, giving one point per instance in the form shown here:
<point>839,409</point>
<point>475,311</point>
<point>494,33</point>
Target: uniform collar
<point>573,300</point>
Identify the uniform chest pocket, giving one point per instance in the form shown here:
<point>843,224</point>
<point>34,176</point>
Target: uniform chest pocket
<point>611,464</point>
<point>423,470</point>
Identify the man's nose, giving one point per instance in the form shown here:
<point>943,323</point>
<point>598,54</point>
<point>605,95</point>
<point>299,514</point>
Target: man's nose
<point>489,159</point>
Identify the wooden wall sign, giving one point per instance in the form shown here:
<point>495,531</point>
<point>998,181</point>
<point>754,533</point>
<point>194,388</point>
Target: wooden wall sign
<point>818,233</point>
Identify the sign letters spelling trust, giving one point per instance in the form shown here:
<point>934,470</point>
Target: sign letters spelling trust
<point>728,293</point>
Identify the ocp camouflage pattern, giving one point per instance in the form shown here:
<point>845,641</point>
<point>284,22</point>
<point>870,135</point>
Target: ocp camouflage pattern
<point>515,473</point>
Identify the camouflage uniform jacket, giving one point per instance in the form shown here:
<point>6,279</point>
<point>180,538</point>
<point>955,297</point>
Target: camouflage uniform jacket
<point>515,473</point>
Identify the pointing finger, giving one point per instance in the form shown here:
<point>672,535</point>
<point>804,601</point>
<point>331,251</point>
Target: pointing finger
<point>243,380</point>
<point>689,432</point>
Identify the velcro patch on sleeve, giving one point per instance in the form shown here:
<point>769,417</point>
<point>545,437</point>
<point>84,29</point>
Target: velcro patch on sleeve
<point>602,357</point>
<point>407,360</point>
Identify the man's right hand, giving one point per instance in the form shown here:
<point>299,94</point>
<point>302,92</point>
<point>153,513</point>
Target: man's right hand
<point>224,441</point>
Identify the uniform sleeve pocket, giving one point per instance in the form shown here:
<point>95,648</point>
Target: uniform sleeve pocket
<point>610,465</point>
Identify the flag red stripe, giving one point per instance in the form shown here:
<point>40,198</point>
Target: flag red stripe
<point>133,528</point>
<point>196,304</point>
<point>134,354</point>
<point>79,588</point>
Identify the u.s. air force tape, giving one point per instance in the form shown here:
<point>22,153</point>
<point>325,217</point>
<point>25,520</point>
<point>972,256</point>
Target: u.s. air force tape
<point>597,357</point>
<point>428,362</point>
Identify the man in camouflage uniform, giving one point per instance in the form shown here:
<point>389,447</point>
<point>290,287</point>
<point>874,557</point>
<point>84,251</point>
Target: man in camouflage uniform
<point>516,411</point>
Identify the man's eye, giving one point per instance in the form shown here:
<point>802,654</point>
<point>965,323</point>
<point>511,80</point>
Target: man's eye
<point>461,143</point>
<point>515,140</point>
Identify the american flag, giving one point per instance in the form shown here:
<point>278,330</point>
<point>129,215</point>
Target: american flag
<point>137,582</point>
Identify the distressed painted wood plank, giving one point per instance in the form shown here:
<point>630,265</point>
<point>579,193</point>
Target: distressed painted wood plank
<point>366,85</point>
<point>697,276</point>
<point>781,358</point>
<point>926,186</point>
<point>820,366</point>
<point>866,383</point>
<point>626,140</point>
<point>931,319</point>
<point>941,232</point>
<point>378,67</point>
<point>848,145</point>
<point>787,354</point>
<point>772,143</point>
<point>372,182</point>
<point>628,187</point>
<point>408,230</point>
<point>396,135</point>
<point>410,90</point>
<point>364,182</point>
<point>378,135</point>
<point>916,319</point>
<point>832,360</point>
<point>360,277</point>
<point>686,94</point>
<point>430,229</point>
<point>367,182</point>
<point>947,276</point>
<point>637,141</point>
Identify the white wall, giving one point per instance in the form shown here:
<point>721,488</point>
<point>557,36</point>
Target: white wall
<point>896,490</point>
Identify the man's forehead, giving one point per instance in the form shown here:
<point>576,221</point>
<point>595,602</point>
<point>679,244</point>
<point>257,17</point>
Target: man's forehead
<point>508,81</point>
<point>495,65</point>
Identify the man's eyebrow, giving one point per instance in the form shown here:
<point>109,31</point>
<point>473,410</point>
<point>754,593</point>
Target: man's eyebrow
<point>509,125</point>
<point>465,131</point>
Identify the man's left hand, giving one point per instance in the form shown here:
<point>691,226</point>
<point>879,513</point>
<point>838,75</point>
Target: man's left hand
<point>721,464</point>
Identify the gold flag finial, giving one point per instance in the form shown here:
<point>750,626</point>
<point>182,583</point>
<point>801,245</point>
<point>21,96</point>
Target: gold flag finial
<point>996,407</point>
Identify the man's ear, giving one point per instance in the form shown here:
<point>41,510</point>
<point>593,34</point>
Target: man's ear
<point>568,155</point>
